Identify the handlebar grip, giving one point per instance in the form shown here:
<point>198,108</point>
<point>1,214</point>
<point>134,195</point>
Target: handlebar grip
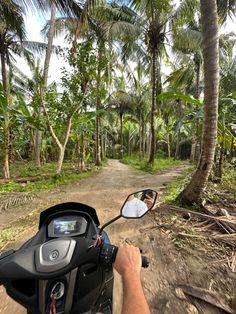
<point>145,262</point>
<point>109,252</point>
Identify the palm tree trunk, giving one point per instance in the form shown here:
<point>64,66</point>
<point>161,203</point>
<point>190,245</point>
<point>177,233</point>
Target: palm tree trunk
<point>143,136</point>
<point>222,151</point>
<point>177,145</point>
<point>38,137</point>
<point>121,136</point>
<point>193,192</point>
<point>98,107</point>
<point>154,91</point>
<point>6,127</point>
<point>168,145</point>
<point>196,141</point>
<point>140,136</point>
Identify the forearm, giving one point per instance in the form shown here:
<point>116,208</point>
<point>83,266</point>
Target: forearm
<point>133,296</point>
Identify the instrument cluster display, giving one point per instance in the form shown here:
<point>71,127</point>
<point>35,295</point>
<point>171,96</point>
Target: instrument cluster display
<point>67,226</point>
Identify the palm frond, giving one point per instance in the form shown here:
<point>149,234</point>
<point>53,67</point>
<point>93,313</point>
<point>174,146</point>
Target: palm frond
<point>181,77</point>
<point>226,8</point>
<point>12,18</point>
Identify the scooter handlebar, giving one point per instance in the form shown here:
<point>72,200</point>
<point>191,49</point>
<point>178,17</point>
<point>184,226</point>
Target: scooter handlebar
<point>109,252</point>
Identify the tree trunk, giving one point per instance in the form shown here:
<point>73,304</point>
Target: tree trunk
<point>102,140</point>
<point>121,136</point>
<point>38,136</point>
<point>177,145</point>
<point>168,145</point>
<point>6,127</point>
<point>196,139</point>
<point>60,158</point>
<point>193,192</point>
<point>154,92</point>
<point>222,151</point>
<point>143,136</point>
<point>140,137</point>
<point>98,107</point>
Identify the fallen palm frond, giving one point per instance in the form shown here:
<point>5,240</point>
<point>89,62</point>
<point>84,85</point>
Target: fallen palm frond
<point>205,301</point>
<point>15,199</point>
<point>228,239</point>
<point>227,224</point>
<point>232,262</point>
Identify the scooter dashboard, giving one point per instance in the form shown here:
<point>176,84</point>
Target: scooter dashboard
<point>67,225</point>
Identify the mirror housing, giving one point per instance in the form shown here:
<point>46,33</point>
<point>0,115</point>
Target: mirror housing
<point>138,204</point>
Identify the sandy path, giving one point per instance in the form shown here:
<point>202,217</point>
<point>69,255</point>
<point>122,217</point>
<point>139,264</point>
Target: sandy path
<point>106,192</point>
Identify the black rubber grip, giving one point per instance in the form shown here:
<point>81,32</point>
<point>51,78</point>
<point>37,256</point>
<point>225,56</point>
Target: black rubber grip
<point>145,260</point>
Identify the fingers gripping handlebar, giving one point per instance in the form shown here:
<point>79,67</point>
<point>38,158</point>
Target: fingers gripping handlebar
<point>108,255</point>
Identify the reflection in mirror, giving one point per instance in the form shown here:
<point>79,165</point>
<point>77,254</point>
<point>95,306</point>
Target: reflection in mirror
<point>139,203</point>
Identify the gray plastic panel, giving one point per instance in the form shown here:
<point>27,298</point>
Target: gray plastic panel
<point>54,255</point>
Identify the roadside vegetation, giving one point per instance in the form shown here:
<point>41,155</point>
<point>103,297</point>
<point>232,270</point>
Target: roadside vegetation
<point>160,163</point>
<point>26,177</point>
<point>116,100</point>
<point>224,190</point>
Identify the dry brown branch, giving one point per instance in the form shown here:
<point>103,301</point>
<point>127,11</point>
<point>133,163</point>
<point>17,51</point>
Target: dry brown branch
<point>228,224</point>
<point>205,301</point>
<point>228,239</point>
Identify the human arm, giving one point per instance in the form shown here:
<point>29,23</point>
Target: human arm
<point>128,265</point>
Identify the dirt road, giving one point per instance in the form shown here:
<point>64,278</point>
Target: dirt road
<point>106,192</point>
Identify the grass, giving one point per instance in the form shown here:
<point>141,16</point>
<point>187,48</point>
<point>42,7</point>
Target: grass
<point>12,233</point>
<point>227,187</point>
<point>174,188</point>
<point>28,169</point>
<point>229,180</point>
<point>159,163</point>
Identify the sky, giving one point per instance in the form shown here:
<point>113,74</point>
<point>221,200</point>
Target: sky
<point>34,25</point>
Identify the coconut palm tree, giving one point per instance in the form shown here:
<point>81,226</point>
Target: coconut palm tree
<point>11,34</point>
<point>121,102</point>
<point>102,26</point>
<point>210,29</point>
<point>151,19</point>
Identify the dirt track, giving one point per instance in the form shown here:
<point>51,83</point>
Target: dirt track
<point>107,192</point>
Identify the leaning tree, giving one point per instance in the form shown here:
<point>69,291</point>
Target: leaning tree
<point>210,34</point>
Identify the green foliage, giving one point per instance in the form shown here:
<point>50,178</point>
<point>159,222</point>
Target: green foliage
<point>12,233</point>
<point>229,179</point>
<point>174,188</point>
<point>159,163</point>
<point>179,96</point>
<point>68,176</point>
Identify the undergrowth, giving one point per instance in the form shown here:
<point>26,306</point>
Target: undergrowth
<point>13,232</point>
<point>68,175</point>
<point>159,163</point>
<point>227,187</point>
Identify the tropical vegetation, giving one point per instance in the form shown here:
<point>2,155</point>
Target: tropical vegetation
<point>140,80</point>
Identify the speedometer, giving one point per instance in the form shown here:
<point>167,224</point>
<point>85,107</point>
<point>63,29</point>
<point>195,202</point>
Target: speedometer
<point>67,226</point>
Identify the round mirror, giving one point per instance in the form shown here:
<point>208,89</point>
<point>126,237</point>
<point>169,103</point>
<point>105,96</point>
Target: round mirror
<point>138,204</point>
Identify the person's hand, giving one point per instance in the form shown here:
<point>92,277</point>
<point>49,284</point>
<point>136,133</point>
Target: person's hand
<point>128,260</point>
<point>148,201</point>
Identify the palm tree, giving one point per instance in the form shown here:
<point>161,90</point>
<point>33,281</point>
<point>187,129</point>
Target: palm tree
<point>102,25</point>
<point>11,33</point>
<point>49,49</point>
<point>121,102</point>
<point>193,192</point>
<point>152,18</point>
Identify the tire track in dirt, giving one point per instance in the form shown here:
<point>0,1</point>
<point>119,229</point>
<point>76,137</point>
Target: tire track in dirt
<point>106,192</point>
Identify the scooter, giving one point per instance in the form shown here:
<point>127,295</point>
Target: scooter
<point>66,268</point>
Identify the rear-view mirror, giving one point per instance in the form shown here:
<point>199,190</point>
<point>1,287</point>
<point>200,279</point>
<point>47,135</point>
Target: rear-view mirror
<point>139,203</point>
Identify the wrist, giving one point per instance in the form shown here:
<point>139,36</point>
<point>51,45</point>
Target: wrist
<point>131,276</point>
